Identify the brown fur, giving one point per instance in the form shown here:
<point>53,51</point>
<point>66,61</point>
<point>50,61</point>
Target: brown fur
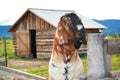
<point>64,46</point>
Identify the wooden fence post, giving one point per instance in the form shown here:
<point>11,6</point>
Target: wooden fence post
<point>95,57</point>
<point>4,50</point>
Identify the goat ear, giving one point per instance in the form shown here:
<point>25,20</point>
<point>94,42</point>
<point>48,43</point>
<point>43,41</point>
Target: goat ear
<point>78,44</point>
<point>61,35</point>
<point>81,39</point>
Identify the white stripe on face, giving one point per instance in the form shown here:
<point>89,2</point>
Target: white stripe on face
<point>79,27</point>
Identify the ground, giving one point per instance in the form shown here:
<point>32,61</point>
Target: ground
<point>27,64</point>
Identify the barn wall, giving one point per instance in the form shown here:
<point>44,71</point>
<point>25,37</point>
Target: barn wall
<point>44,40</point>
<point>44,32</point>
<point>44,35</point>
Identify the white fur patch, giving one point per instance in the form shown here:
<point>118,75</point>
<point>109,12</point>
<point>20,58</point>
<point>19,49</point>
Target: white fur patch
<point>59,28</point>
<point>61,37</point>
<point>79,27</point>
<point>74,69</point>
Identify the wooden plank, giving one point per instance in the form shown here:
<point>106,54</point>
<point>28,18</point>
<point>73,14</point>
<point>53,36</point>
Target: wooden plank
<point>44,52</point>
<point>33,21</point>
<point>30,20</point>
<point>44,47</point>
<point>45,40</point>
<point>44,37</point>
<point>44,44</point>
<point>114,46</point>
<point>24,22</point>
<point>41,24</point>
<point>23,43</point>
<point>38,23</point>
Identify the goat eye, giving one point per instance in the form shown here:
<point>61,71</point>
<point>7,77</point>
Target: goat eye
<point>79,27</point>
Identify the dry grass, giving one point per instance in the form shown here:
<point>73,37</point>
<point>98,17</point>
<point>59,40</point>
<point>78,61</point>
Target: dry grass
<point>26,65</point>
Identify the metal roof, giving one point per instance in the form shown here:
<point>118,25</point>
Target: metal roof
<point>53,17</point>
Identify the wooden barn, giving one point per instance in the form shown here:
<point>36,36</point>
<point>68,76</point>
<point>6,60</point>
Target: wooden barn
<point>33,32</point>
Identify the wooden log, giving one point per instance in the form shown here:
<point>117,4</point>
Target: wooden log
<point>42,47</point>
<point>45,37</point>
<point>44,43</point>
<point>37,44</point>
<point>95,56</point>
<point>41,52</point>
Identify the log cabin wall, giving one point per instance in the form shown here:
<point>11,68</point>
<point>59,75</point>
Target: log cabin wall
<point>44,33</point>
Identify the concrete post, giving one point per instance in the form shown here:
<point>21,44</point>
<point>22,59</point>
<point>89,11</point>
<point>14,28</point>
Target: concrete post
<point>95,57</point>
<point>107,60</point>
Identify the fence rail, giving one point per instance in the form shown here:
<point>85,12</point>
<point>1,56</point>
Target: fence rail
<point>12,74</point>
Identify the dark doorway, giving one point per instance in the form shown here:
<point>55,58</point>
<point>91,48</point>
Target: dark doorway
<point>33,43</point>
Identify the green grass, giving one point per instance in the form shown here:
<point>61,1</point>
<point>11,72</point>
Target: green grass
<point>113,37</point>
<point>41,71</point>
<point>115,62</point>
<point>9,50</point>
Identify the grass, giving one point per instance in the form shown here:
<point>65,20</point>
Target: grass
<point>9,50</point>
<point>115,62</point>
<point>41,71</point>
<point>113,37</point>
<point>44,70</point>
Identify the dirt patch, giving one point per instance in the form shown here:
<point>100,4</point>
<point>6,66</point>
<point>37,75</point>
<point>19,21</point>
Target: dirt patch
<point>29,64</point>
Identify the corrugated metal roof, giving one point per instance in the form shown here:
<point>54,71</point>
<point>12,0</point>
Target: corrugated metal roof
<point>53,17</point>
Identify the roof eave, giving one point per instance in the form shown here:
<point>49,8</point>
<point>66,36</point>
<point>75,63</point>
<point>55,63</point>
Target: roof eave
<point>11,28</point>
<point>41,18</point>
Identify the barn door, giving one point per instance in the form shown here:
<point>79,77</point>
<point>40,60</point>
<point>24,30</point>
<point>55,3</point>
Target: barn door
<point>23,43</point>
